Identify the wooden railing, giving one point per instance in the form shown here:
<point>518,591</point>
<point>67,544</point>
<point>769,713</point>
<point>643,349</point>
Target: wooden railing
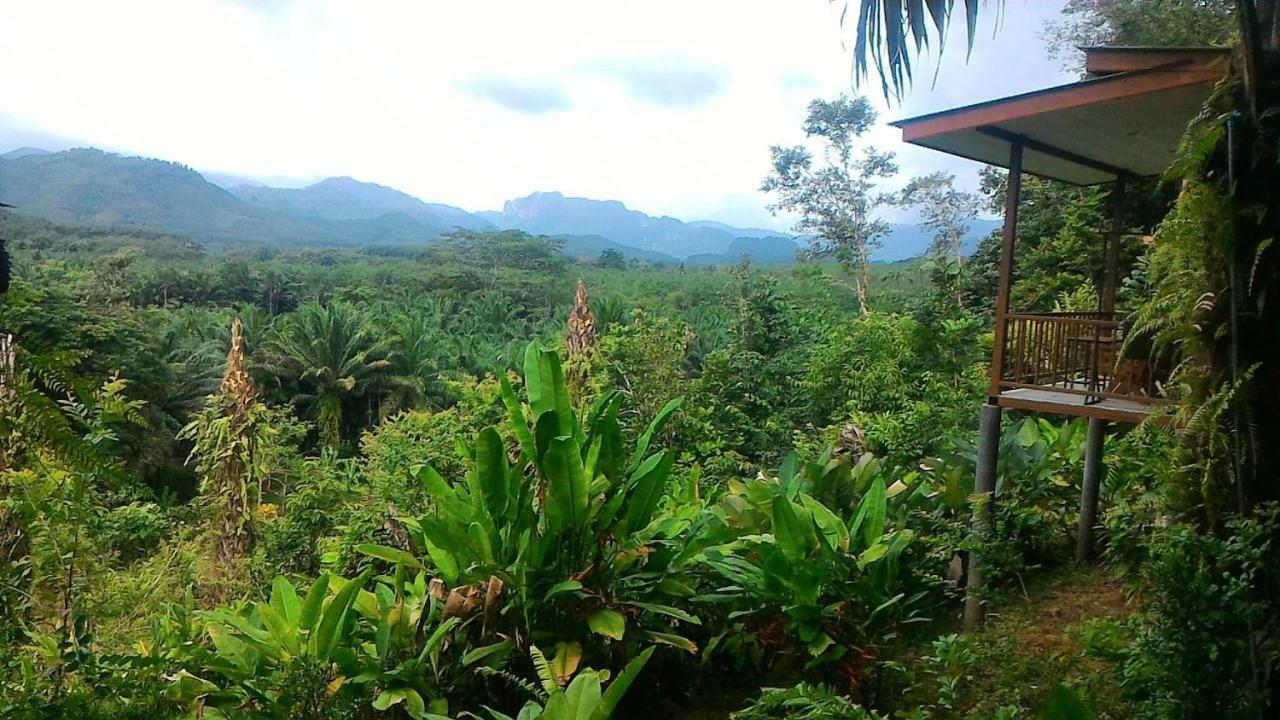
<point>1076,353</point>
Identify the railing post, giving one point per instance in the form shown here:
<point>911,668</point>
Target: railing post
<point>984,487</point>
<point>1013,193</point>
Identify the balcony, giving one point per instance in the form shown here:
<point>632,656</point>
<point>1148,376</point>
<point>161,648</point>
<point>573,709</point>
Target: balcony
<point>1073,363</point>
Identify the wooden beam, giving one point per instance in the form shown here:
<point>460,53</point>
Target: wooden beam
<point>1013,193</point>
<point>1111,280</point>
<point>1046,149</point>
<point>1088,92</point>
<point>1101,411</point>
<point>1110,60</point>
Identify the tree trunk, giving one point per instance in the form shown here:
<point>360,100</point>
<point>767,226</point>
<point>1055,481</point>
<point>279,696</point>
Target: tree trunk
<point>1251,161</point>
<point>865,265</point>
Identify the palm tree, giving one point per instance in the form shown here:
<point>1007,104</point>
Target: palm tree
<point>420,350</point>
<point>889,32</point>
<point>326,356</point>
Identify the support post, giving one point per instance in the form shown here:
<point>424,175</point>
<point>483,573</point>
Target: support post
<point>1089,492</point>
<point>1111,280</point>
<point>984,486</point>
<point>1013,192</point>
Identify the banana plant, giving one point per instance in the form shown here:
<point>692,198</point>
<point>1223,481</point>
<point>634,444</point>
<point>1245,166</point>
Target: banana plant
<point>571,526</point>
<point>254,648</point>
<point>567,694</point>
<point>386,645</point>
<point>826,575</point>
<point>406,629</point>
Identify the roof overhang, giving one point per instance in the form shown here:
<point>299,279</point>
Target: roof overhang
<point>1127,119</point>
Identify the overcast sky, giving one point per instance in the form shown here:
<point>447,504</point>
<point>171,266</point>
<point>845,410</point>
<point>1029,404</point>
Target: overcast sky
<point>667,105</point>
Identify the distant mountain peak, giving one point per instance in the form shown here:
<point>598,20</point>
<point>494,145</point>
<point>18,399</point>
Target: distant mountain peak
<point>24,152</point>
<point>88,185</point>
<point>552,213</point>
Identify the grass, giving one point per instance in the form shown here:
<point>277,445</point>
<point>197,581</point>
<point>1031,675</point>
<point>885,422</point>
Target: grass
<point>1068,629</point>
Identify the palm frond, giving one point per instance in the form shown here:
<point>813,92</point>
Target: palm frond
<point>890,34</point>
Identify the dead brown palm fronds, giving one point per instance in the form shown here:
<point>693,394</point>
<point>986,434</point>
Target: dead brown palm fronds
<point>580,336</point>
<point>581,341</point>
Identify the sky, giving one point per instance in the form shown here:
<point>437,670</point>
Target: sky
<point>668,105</point>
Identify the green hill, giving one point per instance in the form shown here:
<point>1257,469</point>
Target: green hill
<point>343,198</point>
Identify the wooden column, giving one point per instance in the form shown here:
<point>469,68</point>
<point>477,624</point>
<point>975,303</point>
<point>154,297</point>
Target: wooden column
<point>1089,490</point>
<point>984,490</point>
<point>1013,192</point>
<point>1111,281</point>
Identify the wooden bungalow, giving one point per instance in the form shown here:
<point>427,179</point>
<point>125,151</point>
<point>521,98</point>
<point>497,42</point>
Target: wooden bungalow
<point>1123,121</point>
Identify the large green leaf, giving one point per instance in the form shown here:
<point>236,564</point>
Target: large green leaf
<point>545,386</point>
<point>795,535</point>
<point>667,610</point>
<point>583,696</point>
<point>648,483</point>
<point>619,686</point>
<point>871,512</point>
<point>565,586</point>
<point>609,623</point>
<point>281,631</point>
<point>284,598</point>
<point>567,485</point>
<point>332,622</point>
<point>650,432</point>
<point>605,428</point>
<point>491,471</point>
<point>515,412</point>
<point>391,555</point>
<point>444,561</point>
<point>787,473</point>
<point>536,386</point>
<point>673,640</point>
<point>493,652</point>
<point>414,705</point>
<point>444,496</point>
<point>833,529</point>
<point>310,610</point>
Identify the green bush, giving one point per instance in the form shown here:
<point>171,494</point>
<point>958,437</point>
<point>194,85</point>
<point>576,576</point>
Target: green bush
<point>1206,641</point>
<point>133,531</point>
<point>803,702</point>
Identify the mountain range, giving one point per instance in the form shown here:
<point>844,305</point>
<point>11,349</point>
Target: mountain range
<point>94,187</point>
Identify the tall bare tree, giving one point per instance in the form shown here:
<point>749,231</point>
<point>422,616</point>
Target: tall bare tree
<point>944,210</point>
<point>837,199</point>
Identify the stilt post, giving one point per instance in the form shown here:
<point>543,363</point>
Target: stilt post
<point>984,486</point>
<point>1089,491</point>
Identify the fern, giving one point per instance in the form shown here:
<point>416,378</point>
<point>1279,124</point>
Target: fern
<point>543,668</point>
<point>532,689</point>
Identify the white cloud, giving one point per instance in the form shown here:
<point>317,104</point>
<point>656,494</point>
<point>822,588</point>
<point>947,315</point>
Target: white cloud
<point>670,81</point>
<point>667,105</point>
<point>532,97</point>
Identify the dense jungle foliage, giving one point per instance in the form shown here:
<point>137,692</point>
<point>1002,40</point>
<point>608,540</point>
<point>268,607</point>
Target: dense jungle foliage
<point>480,480</point>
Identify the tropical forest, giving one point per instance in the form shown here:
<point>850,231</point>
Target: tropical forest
<point>946,439</point>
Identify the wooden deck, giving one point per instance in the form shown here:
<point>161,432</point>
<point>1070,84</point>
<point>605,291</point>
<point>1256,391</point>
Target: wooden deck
<point>1048,401</point>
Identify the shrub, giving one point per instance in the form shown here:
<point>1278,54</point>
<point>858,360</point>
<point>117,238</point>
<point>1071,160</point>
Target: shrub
<point>133,531</point>
<point>803,702</point>
<point>1206,644</point>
